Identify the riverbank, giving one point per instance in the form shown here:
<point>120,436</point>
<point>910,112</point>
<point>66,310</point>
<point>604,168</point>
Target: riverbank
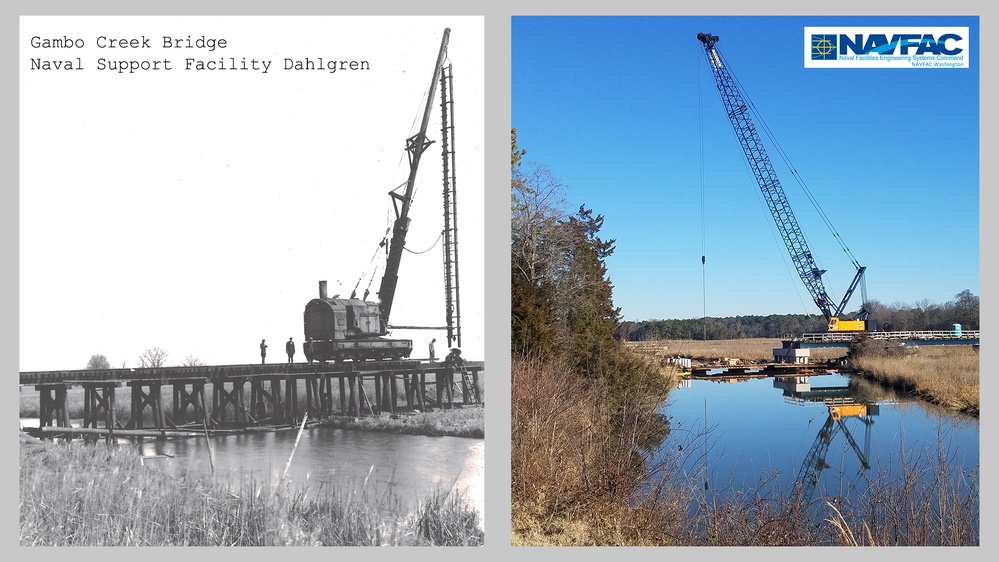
<point>948,376</point>
<point>94,494</point>
<point>562,492</point>
<point>944,375</point>
<point>465,421</point>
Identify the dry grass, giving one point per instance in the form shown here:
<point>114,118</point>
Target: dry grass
<point>922,500</point>
<point>749,350</point>
<point>945,375</point>
<point>573,459</point>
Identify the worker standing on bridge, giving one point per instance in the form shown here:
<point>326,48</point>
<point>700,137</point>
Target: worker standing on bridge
<point>290,349</point>
<point>432,356</point>
<point>263,352</point>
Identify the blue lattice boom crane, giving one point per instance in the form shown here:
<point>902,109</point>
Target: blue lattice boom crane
<point>756,155</point>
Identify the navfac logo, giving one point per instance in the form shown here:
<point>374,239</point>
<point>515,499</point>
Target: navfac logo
<point>824,47</point>
<point>887,47</point>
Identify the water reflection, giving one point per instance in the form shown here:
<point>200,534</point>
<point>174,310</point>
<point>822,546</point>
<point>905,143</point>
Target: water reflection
<point>842,403</point>
<point>410,467</point>
<point>830,434</point>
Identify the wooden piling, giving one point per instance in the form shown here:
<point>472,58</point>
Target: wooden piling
<point>98,398</point>
<point>193,398</point>
<point>142,398</point>
<point>52,405</point>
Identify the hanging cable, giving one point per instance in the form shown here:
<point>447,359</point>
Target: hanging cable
<point>364,274</point>
<point>704,290</point>
<point>794,172</point>
<point>432,246</point>
<point>766,129</point>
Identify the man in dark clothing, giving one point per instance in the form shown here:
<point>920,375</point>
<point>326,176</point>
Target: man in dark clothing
<point>432,356</point>
<point>290,349</point>
<point>454,359</point>
<point>263,352</point>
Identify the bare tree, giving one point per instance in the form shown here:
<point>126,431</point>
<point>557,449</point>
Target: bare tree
<point>192,361</point>
<point>153,357</point>
<point>538,243</point>
<point>98,361</point>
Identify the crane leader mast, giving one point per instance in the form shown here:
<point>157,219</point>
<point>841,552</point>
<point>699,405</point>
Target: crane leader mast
<point>415,146</point>
<point>766,177</point>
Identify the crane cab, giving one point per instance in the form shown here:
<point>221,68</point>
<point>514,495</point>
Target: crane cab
<point>837,325</point>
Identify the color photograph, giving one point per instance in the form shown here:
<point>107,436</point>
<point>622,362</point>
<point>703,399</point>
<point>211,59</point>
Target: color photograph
<point>745,300</point>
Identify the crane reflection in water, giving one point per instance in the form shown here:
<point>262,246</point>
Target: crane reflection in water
<point>842,404</point>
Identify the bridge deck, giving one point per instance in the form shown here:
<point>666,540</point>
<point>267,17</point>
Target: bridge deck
<point>274,396</point>
<point>215,372</point>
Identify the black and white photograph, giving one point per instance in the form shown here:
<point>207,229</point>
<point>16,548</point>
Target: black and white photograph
<point>251,273</point>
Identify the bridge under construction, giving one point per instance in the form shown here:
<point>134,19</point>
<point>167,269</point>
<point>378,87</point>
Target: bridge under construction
<point>279,395</point>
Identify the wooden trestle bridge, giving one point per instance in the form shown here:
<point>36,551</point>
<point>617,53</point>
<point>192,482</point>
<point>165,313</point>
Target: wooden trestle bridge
<point>330,390</point>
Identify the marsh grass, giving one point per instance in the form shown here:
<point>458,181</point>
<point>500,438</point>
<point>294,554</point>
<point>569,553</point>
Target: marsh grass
<point>467,421</point>
<point>75,494</point>
<point>922,500</point>
<point>573,462</point>
<point>945,375</point>
<point>748,350</point>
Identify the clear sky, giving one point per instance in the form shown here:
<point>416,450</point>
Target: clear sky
<point>196,211</point>
<point>625,111</point>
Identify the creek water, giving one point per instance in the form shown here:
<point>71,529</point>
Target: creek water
<point>410,468</point>
<point>752,434</point>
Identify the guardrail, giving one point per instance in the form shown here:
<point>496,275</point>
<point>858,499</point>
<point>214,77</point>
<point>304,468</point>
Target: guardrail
<point>904,335</point>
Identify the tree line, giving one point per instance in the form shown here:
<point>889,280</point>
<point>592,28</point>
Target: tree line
<point>921,316</point>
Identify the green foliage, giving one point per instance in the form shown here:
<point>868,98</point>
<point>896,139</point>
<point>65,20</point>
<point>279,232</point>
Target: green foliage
<point>561,295</point>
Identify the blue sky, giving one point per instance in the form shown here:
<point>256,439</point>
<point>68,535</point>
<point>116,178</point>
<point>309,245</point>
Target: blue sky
<point>624,110</point>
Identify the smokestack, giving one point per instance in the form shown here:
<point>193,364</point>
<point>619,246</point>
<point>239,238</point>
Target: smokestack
<point>322,290</point>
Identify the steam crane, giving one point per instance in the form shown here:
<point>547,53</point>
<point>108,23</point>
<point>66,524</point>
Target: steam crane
<point>756,155</point>
<point>354,328</point>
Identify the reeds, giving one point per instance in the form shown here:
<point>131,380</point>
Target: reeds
<point>945,375</point>
<point>922,500</point>
<point>75,494</point>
